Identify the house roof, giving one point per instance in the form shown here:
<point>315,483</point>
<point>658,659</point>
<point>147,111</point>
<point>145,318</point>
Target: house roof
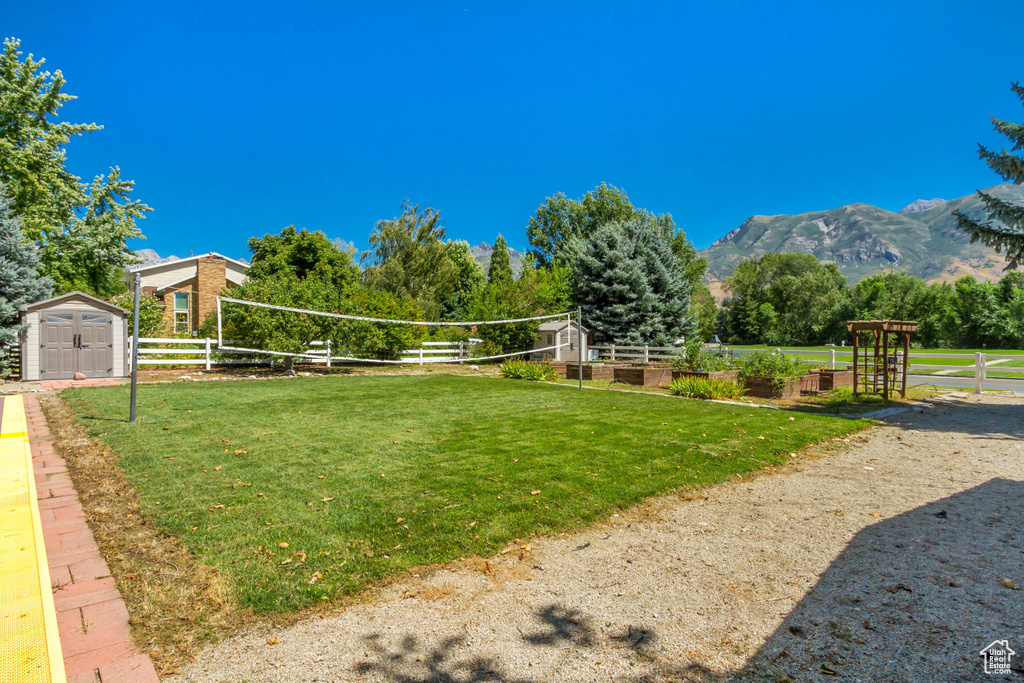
<point>555,325</point>
<point>80,296</point>
<point>153,266</point>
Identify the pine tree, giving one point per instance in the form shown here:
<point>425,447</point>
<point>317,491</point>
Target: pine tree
<point>1004,229</point>
<point>20,282</point>
<point>500,270</point>
<point>631,286</point>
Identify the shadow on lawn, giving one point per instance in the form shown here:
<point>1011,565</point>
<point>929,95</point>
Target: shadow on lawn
<point>911,598</point>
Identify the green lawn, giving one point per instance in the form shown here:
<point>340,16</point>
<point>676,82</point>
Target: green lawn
<point>365,477</point>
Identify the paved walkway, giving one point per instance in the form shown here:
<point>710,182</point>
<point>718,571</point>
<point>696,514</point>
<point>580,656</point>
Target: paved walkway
<point>91,615</point>
<point>58,385</point>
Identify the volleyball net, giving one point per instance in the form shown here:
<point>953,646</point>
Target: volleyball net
<point>306,335</point>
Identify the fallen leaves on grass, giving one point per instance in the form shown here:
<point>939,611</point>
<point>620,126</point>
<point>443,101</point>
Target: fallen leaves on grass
<point>534,493</point>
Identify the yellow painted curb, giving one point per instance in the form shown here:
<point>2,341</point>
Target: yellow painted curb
<point>28,620</point>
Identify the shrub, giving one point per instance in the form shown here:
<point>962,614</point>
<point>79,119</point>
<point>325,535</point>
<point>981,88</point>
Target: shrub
<point>524,369</point>
<point>706,388</point>
<point>695,358</point>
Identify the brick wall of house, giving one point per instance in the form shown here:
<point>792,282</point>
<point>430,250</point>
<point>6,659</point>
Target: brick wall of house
<point>212,280</point>
<point>186,288</point>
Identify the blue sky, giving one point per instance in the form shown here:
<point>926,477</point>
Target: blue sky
<point>237,119</point>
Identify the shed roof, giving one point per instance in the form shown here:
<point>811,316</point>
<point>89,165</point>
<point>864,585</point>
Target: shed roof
<point>555,325</point>
<point>72,296</point>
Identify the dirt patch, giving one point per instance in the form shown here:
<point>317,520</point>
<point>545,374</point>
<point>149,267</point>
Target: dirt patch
<point>886,560</point>
<point>175,374</point>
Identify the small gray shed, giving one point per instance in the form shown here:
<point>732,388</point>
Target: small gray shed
<point>73,333</point>
<point>556,332</point>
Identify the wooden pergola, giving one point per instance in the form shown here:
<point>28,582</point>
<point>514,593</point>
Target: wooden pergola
<point>892,372</point>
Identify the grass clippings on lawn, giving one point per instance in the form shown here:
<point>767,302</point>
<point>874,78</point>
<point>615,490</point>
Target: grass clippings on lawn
<point>296,493</point>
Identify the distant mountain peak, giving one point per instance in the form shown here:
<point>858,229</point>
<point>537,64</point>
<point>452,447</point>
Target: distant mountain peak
<point>149,257</point>
<point>920,205</point>
<point>482,253</point>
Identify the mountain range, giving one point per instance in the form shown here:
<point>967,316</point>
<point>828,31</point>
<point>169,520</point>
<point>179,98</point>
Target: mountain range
<point>922,239</point>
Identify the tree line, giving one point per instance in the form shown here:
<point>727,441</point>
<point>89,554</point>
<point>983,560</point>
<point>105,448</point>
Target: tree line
<point>792,299</point>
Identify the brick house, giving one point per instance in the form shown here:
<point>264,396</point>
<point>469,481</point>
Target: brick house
<point>187,288</point>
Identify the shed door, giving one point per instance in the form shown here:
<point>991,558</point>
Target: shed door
<point>563,338</point>
<point>57,345</point>
<point>74,341</point>
<point>95,350</point>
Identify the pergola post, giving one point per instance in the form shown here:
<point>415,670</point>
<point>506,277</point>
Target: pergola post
<point>906,362</point>
<point>885,364</point>
<point>856,366</point>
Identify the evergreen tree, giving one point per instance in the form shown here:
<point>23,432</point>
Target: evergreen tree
<point>500,270</point>
<point>20,282</point>
<point>631,285</point>
<point>470,280</point>
<point>1004,229</point>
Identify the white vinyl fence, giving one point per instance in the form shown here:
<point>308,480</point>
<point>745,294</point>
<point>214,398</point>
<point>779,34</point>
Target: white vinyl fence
<point>204,352</point>
<point>842,355</point>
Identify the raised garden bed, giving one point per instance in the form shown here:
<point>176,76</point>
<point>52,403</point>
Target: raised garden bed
<point>590,371</point>
<point>645,375</point>
<point>764,387</point>
<point>559,366</point>
<point>830,380</point>
<point>727,375</point>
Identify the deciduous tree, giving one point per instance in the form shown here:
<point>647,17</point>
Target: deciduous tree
<point>83,229</point>
<point>409,257</point>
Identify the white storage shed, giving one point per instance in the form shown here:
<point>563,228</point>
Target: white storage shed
<point>73,333</point>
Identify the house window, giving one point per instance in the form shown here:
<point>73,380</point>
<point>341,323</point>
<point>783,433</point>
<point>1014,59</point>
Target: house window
<point>181,312</point>
<point>551,339</point>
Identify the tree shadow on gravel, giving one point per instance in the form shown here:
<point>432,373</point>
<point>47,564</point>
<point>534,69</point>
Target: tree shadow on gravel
<point>430,665</point>
<point>562,628</point>
<point>565,626</point>
<point>912,598</point>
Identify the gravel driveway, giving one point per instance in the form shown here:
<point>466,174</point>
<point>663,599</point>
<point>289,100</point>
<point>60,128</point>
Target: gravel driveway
<point>880,562</point>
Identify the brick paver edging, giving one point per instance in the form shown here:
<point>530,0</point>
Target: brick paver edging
<point>91,615</point>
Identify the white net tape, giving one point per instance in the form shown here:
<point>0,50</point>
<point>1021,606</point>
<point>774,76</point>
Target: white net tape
<point>321,356</point>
